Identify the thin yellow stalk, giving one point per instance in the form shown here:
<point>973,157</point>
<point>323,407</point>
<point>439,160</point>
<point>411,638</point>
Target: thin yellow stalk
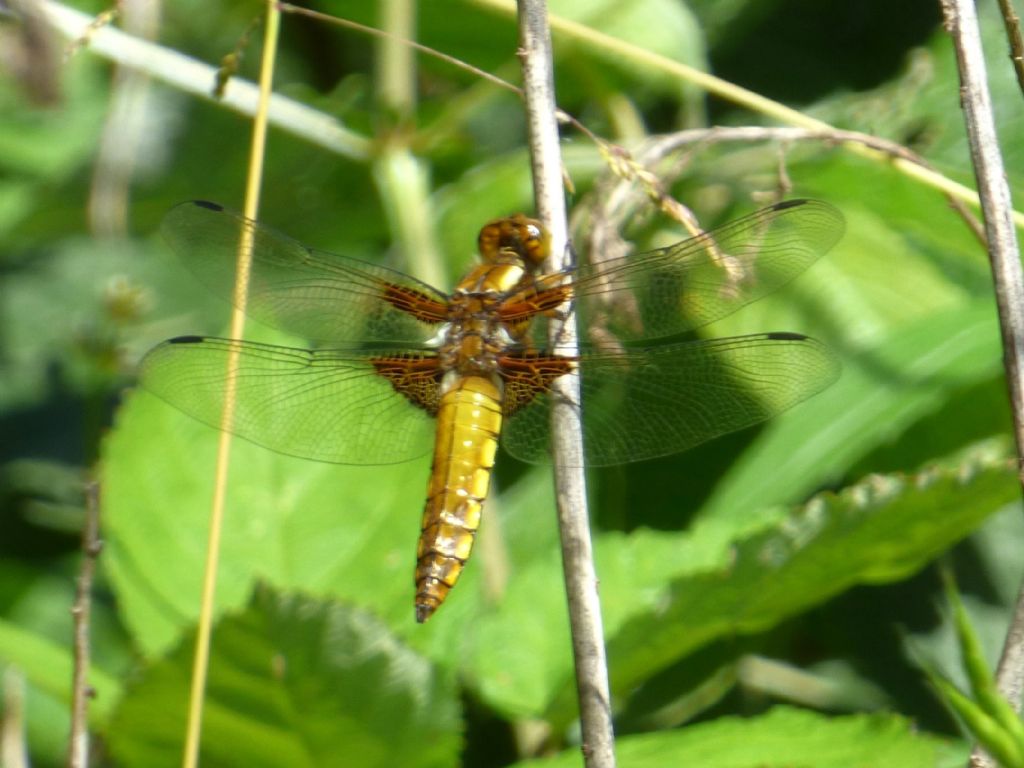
<point>201,660</point>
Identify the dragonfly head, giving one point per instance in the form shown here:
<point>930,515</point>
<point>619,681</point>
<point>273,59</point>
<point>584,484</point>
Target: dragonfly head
<point>516,237</point>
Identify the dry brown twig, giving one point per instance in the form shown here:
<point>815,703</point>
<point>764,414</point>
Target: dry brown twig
<point>619,196</point>
<point>81,691</point>
<point>1008,275</point>
<point>1012,23</point>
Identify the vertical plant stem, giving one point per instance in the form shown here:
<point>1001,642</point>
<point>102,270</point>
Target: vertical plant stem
<point>962,23</point>
<point>396,61</point>
<point>1012,24</point>
<point>567,437</point>
<point>403,183</point>
<point>402,178</point>
<point>13,745</point>
<point>200,663</point>
<point>78,742</point>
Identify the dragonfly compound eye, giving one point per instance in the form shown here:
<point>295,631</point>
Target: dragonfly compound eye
<point>516,235</point>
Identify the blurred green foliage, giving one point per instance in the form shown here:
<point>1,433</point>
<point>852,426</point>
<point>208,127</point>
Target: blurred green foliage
<point>753,546</point>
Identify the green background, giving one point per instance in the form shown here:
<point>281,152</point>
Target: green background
<point>768,597</point>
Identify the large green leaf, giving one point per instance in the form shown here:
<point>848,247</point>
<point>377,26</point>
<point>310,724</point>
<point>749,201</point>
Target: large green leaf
<point>918,108</point>
<point>783,738</point>
<point>882,392</point>
<point>665,595</point>
<point>654,26</point>
<point>295,682</point>
<point>341,531</point>
<point>877,531</point>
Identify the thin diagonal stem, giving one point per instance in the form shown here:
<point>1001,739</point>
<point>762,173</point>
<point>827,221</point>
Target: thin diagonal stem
<point>195,77</point>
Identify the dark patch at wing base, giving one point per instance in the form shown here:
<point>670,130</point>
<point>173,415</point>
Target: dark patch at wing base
<point>416,378</point>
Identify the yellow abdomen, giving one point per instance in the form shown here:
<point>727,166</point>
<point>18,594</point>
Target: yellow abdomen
<point>468,423</point>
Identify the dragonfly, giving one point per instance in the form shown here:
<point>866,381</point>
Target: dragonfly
<point>396,367</point>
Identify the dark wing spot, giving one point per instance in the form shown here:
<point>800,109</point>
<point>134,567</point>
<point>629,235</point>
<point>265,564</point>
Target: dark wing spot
<point>789,204</point>
<point>185,340</point>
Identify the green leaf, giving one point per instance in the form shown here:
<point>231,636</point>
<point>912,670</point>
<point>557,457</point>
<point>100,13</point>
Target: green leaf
<point>48,666</point>
<point>296,682</point>
<point>880,530</point>
<point>995,738</point>
<point>664,595</point>
<point>983,684</point>
<point>783,738</point>
<point>882,391</point>
<point>52,145</point>
<point>340,531</point>
<point>655,26</point>
<point>988,716</point>
<point>914,107</point>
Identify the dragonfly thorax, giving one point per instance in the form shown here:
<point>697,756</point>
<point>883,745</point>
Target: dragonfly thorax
<point>493,280</point>
<point>475,337</point>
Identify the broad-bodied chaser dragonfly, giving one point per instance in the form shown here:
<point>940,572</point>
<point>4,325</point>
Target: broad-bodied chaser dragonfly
<point>401,365</point>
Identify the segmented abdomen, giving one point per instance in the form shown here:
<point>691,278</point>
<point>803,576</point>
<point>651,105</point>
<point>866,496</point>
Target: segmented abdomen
<point>468,423</point>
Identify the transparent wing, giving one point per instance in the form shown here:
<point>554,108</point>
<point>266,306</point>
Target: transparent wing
<point>694,282</point>
<point>643,403</point>
<point>314,294</point>
<point>328,405</point>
